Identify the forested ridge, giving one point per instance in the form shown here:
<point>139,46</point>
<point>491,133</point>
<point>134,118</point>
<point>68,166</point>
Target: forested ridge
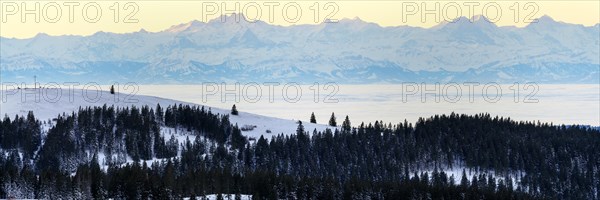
<point>497,158</point>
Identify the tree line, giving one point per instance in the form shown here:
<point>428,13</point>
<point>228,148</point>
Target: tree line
<point>513,160</point>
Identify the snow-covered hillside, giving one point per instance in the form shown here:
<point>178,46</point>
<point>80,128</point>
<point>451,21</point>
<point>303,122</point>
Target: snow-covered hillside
<point>53,102</point>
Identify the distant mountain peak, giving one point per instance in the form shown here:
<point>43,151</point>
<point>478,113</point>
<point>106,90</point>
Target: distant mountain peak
<point>42,34</point>
<point>355,24</point>
<point>231,18</point>
<point>479,21</point>
<point>353,20</point>
<point>545,19</point>
<point>235,20</point>
<point>248,35</point>
<point>480,18</point>
<point>184,27</point>
<point>248,38</point>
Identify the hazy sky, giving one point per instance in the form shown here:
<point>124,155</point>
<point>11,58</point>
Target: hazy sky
<point>26,19</point>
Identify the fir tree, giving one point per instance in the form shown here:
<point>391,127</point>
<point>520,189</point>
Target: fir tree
<point>312,118</point>
<point>300,129</point>
<point>332,121</point>
<point>464,181</point>
<point>346,127</point>
<point>159,113</point>
<point>234,110</point>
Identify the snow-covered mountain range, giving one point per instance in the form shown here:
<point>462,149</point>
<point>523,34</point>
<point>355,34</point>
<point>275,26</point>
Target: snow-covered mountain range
<point>350,51</point>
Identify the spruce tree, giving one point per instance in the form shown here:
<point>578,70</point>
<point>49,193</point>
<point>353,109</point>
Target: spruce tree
<point>464,181</point>
<point>346,127</point>
<point>112,89</point>
<point>159,113</point>
<point>300,129</point>
<point>312,118</point>
<point>234,110</point>
<point>332,120</point>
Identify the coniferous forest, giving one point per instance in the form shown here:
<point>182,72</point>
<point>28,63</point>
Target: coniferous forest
<point>125,153</point>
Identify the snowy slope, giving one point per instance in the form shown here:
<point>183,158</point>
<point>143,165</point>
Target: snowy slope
<point>50,105</point>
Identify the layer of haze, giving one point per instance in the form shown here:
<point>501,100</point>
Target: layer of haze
<point>558,104</point>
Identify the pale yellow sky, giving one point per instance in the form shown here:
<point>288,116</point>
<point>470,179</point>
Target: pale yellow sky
<point>25,19</point>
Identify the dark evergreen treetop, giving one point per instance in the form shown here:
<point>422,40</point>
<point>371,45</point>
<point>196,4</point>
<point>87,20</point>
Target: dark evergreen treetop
<point>346,126</point>
<point>234,110</point>
<point>332,121</point>
<point>312,118</point>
